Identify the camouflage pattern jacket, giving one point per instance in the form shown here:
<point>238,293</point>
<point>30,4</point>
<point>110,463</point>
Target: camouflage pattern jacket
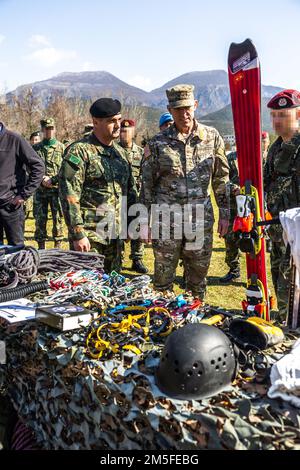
<point>176,170</point>
<point>52,156</point>
<point>92,181</point>
<point>282,179</point>
<point>234,182</point>
<point>134,156</point>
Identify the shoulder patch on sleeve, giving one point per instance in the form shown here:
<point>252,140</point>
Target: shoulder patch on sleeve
<point>73,159</point>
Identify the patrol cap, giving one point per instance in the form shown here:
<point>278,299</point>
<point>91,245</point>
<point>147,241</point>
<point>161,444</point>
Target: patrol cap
<point>34,134</point>
<point>127,123</point>
<point>166,117</point>
<point>180,96</point>
<point>285,99</point>
<point>105,107</point>
<point>49,122</point>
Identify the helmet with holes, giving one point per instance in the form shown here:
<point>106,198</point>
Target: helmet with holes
<point>198,361</point>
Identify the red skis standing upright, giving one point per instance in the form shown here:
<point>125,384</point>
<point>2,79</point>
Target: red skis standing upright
<point>245,89</point>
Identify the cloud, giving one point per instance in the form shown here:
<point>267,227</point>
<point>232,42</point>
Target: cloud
<point>49,56</point>
<point>141,82</point>
<point>38,40</point>
<point>1,38</point>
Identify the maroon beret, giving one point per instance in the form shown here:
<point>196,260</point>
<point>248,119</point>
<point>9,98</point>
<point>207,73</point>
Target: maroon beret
<point>285,99</point>
<point>128,123</point>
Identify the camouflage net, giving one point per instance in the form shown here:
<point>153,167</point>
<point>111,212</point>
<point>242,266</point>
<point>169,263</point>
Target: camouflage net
<point>72,401</point>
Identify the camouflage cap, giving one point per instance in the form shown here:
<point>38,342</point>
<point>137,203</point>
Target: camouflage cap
<point>49,122</point>
<point>180,96</point>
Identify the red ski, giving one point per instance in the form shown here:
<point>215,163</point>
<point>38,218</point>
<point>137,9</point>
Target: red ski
<point>245,89</point>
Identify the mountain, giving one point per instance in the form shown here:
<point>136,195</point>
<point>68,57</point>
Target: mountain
<point>85,85</point>
<point>211,89</point>
<point>223,120</point>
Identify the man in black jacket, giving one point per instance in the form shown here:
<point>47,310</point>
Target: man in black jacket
<point>16,159</point>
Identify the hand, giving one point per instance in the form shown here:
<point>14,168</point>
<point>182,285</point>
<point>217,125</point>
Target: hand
<point>18,201</point>
<point>145,234</point>
<point>223,227</point>
<point>47,182</point>
<point>82,245</point>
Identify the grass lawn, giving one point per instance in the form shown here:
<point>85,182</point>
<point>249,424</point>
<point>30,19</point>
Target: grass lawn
<point>229,296</point>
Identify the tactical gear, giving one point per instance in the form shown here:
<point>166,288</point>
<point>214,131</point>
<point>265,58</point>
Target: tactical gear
<point>255,333</point>
<point>198,361</point>
<point>230,276</point>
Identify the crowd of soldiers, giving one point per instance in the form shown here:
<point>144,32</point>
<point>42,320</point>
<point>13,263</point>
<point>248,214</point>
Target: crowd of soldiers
<point>178,166</point>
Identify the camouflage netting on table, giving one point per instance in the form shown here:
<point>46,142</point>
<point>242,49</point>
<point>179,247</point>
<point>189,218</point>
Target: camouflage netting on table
<point>74,402</point>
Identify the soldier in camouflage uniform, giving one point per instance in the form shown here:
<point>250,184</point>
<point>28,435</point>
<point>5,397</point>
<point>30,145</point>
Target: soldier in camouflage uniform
<point>34,139</point>
<point>94,177</point>
<point>134,155</point>
<point>51,151</point>
<point>180,164</point>
<point>88,129</point>
<point>232,258</point>
<point>282,185</point>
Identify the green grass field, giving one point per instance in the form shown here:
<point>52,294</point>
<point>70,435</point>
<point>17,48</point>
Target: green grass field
<point>229,296</point>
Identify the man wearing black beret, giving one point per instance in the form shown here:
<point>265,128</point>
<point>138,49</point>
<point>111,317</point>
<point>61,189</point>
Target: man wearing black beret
<point>95,178</point>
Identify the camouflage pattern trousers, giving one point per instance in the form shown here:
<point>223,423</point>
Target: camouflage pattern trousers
<point>41,202</point>
<point>137,250</point>
<point>167,254</point>
<point>281,276</point>
<point>232,258</point>
<point>112,252</point>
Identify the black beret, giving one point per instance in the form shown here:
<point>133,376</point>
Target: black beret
<point>105,107</point>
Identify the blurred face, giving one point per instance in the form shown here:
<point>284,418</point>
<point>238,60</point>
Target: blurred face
<point>184,117</point>
<point>166,125</point>
<point>285,121</point>
<point>49,132</point>
<point>265,144</point>
<point>35,139</point>
<point>127,135</point>
<point>107,128</point>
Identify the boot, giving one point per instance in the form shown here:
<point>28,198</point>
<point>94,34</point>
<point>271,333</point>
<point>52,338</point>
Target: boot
<point>230,276</point>
<point>41,245</point>
<point>57,244</point>
<point>139,267</point>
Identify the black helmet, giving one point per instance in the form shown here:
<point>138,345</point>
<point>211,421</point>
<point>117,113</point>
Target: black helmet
<point>198,361</point>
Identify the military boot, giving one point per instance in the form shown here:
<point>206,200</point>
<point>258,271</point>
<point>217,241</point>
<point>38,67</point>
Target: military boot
<point>230,276</point>
<point>57,244</point>
<point>139,267</point>
<point>41,245</point>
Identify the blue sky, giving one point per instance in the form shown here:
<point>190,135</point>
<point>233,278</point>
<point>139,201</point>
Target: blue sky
<point>145,43</point>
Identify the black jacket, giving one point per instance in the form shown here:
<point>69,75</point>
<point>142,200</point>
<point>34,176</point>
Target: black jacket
<point>21,169</point>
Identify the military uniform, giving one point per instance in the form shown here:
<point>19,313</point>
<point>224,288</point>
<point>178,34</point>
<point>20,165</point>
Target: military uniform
<point>282,187</point>
<point>232,238</point>
<point>51,152</point>
<point>179,170</point>
<point>134,157</point>
<point>282,191</point>
<point>92,181</point>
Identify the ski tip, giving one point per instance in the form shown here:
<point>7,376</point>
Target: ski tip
<point>240,55</point>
